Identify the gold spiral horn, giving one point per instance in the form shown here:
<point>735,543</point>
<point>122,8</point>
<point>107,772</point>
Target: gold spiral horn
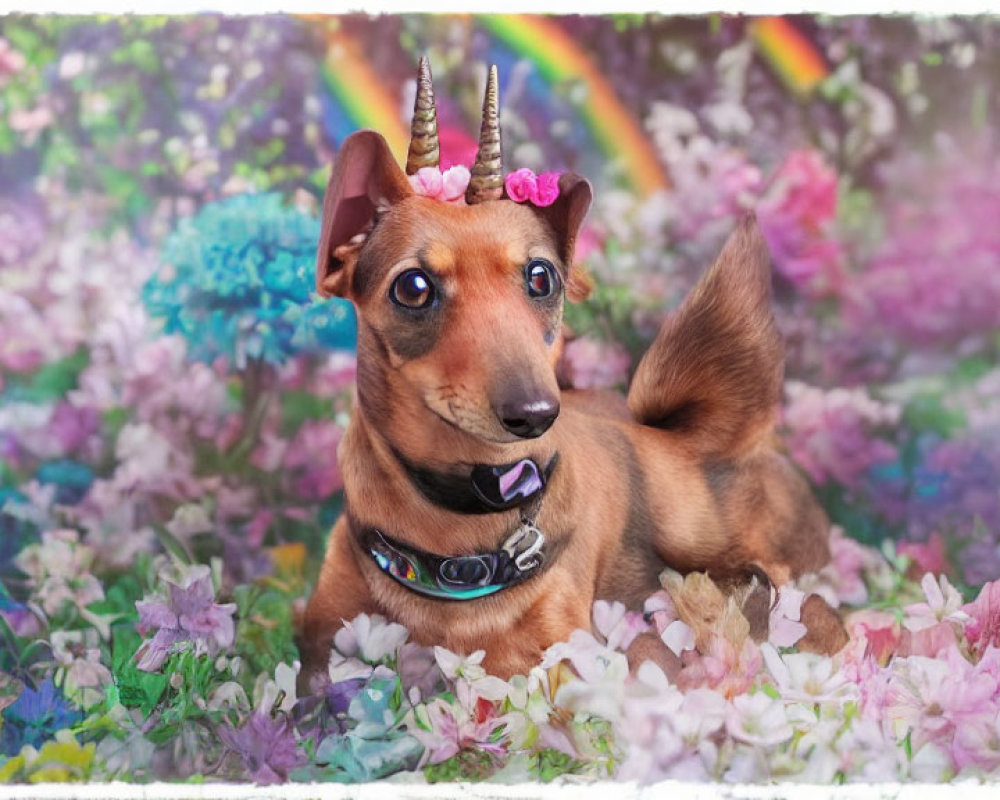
<point>425,150</point>
<point>487,173</point>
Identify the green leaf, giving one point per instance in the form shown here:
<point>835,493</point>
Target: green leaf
<point>926,412</point>
<point>52,381</point>
<point>136,688</point>
<point>297,407</point>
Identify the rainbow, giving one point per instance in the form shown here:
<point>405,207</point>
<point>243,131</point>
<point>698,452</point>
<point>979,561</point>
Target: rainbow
<point>366,102</point>
<point>796,60</point>
<point>558,58</point>
<point>348,76</point>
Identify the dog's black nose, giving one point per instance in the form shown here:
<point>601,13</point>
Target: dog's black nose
<point>529,418</point>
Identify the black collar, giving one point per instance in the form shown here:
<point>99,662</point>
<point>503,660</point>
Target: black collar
<point>486,489</point>
<point>522,555</point>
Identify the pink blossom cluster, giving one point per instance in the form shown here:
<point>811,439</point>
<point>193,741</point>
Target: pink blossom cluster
<point>797,213</point>
<point>524,186</point>
<point>591,363</point>
<point>446,186</point>
<point>935,278</point>
<point>838,434</point>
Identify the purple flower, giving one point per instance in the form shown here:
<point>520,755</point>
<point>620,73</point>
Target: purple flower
<point>935,280</point>
<point>190,614</point>
<point>266,745</point>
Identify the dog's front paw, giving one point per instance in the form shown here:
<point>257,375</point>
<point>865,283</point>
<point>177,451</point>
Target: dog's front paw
<point>650,647</point>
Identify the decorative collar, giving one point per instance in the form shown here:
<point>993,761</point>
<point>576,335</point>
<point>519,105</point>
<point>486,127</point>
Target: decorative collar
<point>468,577</point>
<point>486,490</point>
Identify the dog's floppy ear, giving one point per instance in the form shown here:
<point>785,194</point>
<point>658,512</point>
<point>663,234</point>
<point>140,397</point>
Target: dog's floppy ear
<point>714,372</point>
<point>565,216</point>
<point>365,177</point>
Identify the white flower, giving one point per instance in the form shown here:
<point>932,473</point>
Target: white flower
<point>758,719</point>
<point>469,676</point>
<point>371,638</point>
<point>944,604</point>
<point>808,678</point>
<point>267,691</point>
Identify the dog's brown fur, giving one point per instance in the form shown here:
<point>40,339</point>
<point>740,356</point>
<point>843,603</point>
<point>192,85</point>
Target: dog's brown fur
<point>692,480</point>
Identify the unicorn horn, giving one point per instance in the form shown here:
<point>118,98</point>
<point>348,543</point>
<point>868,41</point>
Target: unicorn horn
<point>486,182</point>
<point>424,148</point>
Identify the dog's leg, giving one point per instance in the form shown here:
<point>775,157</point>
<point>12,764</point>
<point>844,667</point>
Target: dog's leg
<point>341,594</point>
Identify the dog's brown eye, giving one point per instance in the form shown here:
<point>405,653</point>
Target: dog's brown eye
<point>412,289</point>
<point>541,276</point>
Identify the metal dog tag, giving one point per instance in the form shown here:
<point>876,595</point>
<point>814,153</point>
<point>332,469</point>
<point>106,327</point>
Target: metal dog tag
<point>529,557</point>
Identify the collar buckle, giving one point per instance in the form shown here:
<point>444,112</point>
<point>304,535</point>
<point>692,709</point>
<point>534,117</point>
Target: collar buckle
<point>530,556</point>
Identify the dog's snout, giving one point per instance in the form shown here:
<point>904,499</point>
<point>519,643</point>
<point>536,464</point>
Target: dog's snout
<point>529,418</point>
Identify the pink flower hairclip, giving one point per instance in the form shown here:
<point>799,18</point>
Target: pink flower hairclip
<point>448,186</point>
<point>540,190</point>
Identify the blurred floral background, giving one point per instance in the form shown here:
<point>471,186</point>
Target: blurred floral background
<point>172,393</point>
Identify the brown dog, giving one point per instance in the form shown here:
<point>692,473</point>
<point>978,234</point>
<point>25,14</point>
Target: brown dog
<point>484,509</point>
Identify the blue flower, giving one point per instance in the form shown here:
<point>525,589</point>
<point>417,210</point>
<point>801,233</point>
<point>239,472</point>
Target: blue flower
<point>34,717</point>
<point>72,479</point>
<point>237,282</point>
<point>376,746</point>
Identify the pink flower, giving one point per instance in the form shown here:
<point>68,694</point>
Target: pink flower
<point>11,61</point>
<point>311,460</point>
<point>785,627</point>
<point>59,572</point>
<point>457,147</point>
<point>983,629</point>
<point>617,625</point>
<point>590,363</point>
<point>929,556</point>
<point>446,187</point>
<point>943,605</point>
<point>454,182</point>
<point>796,214</point>
<point>427,182</point>
<point>850,559</point>
<point>523,186</point>
<point>879,630</point>
<point>722,667</point>
<point>835,434</point>
<point>930,642</point>
<point>548,189</point>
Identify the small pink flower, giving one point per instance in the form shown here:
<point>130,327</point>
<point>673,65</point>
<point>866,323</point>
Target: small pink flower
<point>929,556</point>
<point>879,630</point>
<point>427,182</point>
<point>548,189</point>
<point>11,61</point>
<point>446,187</point>
<point>454,182</point>
<point>983,629</point>
<point>523,186</point>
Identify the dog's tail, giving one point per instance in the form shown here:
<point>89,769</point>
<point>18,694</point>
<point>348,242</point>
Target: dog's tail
<point>714,372</point>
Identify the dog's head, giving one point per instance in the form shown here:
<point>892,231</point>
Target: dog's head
<point>459,306</point>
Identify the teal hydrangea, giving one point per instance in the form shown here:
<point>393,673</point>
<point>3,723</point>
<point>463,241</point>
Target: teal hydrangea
<point>237,282</point>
